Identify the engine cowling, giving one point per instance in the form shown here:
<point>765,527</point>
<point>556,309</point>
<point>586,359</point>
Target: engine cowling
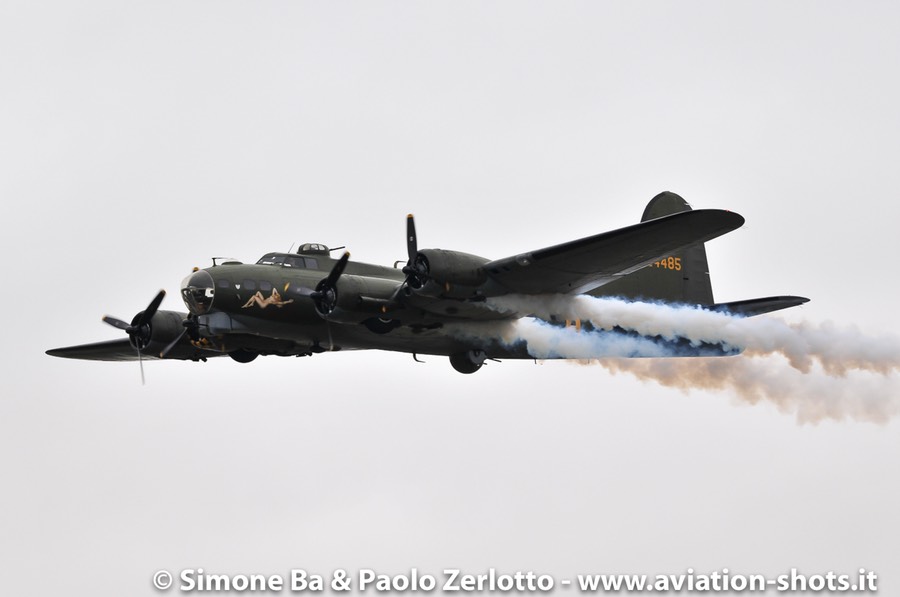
<point>449,273</point>
<point>356,298</point>
<point>163,328</point>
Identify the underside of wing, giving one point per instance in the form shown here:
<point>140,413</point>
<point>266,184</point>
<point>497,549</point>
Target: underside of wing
<point>582,265</point>
<point>123,350</point>
<point>111,350</point>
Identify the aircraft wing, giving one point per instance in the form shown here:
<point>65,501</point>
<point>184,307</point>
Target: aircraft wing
<point>111,350</point>
<point>582,265</point>
<point>121,350</point>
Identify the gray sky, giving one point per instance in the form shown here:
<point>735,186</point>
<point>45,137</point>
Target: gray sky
<point>139,139</point>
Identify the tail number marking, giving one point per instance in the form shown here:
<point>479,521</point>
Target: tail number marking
<point>673,263</point>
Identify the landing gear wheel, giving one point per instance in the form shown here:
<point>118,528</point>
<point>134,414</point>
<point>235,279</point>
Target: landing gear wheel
<point>467,362</point>
<point>381,326</point>
<point>243,356</point>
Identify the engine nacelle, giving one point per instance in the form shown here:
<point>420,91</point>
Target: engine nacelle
<point>358,298</point>
<point>165,326</point>
<point>450,273</point>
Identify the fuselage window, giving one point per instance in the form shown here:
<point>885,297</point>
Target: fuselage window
<point>312,263</point>
<point>294,262</point>
<point>224,283</point>
<point>250,284</point>
<point>265,286</point>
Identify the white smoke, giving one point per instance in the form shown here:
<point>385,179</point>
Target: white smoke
<point>546,341</point>
<point>812,396</point>
<point>813,371</point>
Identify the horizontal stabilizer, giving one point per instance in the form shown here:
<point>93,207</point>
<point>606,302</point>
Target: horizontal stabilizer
<point>758,306</point>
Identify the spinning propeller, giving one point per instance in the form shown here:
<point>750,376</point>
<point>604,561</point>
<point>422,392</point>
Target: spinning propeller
<point>416,268</point>
<point>324,297</point>
<point>190,327</point>
<point>325,294</point>
<point>139,330</point>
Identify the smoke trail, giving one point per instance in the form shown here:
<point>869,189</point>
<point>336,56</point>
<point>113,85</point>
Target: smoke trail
<point>815,371</point>
<point>546,341</point>
<point>837,350</point>
<point>811,397</point>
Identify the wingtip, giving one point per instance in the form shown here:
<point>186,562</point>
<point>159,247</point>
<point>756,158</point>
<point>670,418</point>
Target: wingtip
<point>733,218</point>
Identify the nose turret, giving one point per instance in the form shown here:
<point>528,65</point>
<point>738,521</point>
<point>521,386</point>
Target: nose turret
<point>198,291</point>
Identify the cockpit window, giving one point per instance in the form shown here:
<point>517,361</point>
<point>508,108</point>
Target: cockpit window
<point>289,261</point>
<point>271,259</point>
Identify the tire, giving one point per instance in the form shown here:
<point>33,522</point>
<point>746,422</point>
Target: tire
<point>467,362</point>
<point>380,326</point>
<point>242,355</point>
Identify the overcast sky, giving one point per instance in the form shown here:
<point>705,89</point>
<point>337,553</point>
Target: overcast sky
<point>139,139</point>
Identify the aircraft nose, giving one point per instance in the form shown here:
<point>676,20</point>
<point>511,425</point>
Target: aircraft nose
<point>198,292</point>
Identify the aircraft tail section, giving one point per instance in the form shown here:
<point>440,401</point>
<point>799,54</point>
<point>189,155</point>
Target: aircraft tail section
<point>681,277</point>
<point>751,307</point>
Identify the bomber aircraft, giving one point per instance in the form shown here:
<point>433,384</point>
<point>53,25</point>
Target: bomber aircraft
<point>307,302</point>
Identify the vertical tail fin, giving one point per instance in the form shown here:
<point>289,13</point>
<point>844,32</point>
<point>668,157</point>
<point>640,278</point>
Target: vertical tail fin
<point>679,278</point>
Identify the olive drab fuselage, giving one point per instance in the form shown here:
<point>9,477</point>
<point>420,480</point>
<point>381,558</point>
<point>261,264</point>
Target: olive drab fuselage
<point>440,302</point>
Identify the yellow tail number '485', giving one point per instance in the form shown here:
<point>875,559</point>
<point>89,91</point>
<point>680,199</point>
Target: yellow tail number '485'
<point>673,263</point>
